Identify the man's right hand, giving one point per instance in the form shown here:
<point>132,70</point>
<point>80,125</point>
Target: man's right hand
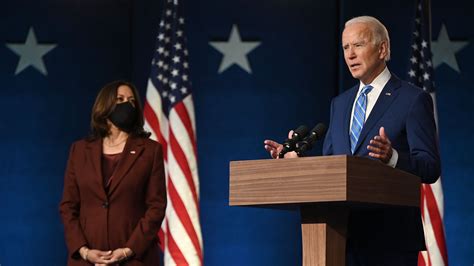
<point>274,148</point>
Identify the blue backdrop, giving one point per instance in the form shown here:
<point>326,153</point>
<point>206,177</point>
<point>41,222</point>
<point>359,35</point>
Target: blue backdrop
<point>296,70</point>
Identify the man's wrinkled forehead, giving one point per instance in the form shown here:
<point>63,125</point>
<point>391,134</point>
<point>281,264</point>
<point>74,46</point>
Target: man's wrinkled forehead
<point>356,32</point>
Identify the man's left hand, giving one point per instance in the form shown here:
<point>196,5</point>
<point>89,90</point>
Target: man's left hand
<point>380,147</point>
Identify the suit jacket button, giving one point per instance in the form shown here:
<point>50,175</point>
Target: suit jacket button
<point>105,205</point>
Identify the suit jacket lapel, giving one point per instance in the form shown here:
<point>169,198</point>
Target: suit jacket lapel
<point>132,150</point>
<point>386,98</point>
<point>347,119</point>
<point>94,152</point>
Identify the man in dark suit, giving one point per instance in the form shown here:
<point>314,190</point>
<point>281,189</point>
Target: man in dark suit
<point>387,119</point>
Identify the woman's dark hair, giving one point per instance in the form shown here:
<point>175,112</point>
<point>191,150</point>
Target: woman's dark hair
<point>105,104</point>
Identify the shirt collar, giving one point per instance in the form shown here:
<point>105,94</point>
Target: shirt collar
<point>379,82</point>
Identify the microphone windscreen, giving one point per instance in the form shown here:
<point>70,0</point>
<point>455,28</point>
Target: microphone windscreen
<point>319,130</point>
<point>301,131</point>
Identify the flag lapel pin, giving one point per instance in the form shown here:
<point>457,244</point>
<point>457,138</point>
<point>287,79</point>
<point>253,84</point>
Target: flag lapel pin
<point>388,93</point>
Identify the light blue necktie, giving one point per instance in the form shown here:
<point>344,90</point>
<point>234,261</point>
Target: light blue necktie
<point>358,119</point>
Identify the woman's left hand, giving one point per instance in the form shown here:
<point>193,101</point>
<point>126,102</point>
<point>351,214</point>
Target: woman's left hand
<point>118,255</point>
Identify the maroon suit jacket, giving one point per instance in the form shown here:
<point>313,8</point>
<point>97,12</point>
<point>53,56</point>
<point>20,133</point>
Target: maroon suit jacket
<point>128,215</point>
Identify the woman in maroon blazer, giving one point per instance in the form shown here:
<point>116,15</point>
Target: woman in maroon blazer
<point>114,196</point>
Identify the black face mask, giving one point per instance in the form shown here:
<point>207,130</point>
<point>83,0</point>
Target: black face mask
<point>124,116</point>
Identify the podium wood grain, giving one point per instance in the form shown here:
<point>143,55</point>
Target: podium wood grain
<point>320,179</point>
<point>325,188</point>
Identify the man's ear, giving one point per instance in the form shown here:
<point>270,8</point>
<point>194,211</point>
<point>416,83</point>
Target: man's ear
<point>383,49</point>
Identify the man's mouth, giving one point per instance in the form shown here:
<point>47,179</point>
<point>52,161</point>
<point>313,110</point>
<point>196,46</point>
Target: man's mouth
<point>353,66</point>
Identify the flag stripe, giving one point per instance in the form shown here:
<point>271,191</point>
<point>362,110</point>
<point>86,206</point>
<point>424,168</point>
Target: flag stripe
<point>182,162</point>
<point>438,196</point>
<point>188,102</point>
<point>187,144</point>
<point>177,255</point>
<point>422,258</point>
<point>155,116</point>
<point>152,120</point>
<point>182,202</point>
<point>183,181</point>
<point>432,248</point>
<point>436,222</point>
<point>183,215</point>
<point>182,239</point>
<point>182,191</point>
<point>183,113</point>
<point>161,237</point>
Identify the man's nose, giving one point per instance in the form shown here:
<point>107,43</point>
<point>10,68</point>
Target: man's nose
<point>351,53</point>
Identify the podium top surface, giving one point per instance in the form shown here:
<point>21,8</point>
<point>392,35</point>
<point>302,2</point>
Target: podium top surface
<point>339,178</point>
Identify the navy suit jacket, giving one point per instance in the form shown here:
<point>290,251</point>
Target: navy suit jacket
<point>406,113</point>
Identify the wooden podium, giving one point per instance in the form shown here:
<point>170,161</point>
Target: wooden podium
<point>326,189</point>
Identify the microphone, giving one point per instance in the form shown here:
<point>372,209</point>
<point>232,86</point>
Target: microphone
<point>316,134</point>
<point>290,144</point>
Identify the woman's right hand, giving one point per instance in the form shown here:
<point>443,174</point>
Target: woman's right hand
<point>98,256</point>
<point>95,256</point>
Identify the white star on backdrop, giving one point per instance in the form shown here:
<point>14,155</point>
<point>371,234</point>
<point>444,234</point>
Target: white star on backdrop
<point>444,50</point>
<point>235,51</point>
<point>31,53</point>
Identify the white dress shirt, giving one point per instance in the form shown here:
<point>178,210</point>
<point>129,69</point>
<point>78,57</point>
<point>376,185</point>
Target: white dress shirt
<point>378,84</point>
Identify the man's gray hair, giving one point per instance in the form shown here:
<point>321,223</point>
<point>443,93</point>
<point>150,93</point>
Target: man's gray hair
<point>379,32</point>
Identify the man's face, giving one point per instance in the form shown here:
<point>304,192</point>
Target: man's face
<point>364,59</point>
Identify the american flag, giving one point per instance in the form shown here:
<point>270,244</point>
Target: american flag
<point>432,205</point>
<point>169,116</point>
